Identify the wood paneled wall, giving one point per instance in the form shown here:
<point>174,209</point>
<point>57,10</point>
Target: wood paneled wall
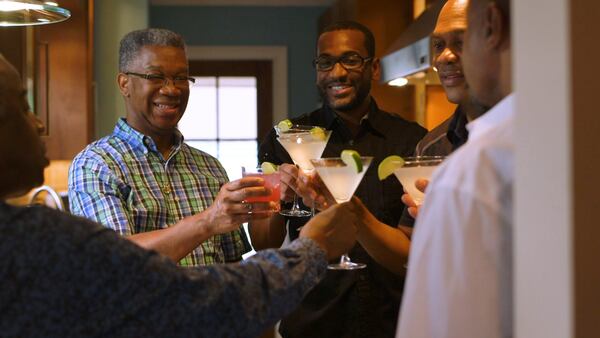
<point>63,84</point>
<point>70,66</point>
<point>63,76</point>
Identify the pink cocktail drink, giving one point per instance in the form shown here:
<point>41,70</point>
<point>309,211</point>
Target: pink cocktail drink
<point>272,183</point>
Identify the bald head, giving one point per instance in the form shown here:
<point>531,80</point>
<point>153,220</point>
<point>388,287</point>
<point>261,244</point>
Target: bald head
<point>454,13</point>
<point>478,8</point>
<point>487,51</point>
<point>10,87</point>
<point>447,39</point>
<point>22,155</point>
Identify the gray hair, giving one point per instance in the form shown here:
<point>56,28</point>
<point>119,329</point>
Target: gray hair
<point>132,42</point>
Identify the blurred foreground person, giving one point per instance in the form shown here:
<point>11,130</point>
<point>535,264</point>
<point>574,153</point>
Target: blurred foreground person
<point>64,276</point>
<point>459,281</point>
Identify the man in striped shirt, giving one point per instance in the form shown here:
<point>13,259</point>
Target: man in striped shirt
<point>144,182</point>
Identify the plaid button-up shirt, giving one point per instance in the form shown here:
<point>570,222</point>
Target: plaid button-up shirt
<point>123,182</point>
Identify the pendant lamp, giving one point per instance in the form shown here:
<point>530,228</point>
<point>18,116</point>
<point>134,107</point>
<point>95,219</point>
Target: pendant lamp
<point>31,12</point>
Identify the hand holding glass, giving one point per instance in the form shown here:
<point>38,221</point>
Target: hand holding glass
<point>302,144</point>
<point>341,180</point>
<point>272,183</point>
<point>414,168</point>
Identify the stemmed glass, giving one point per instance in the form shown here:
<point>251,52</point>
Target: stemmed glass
<point>302,143</point>
<point>341,180</point>
<point>414,168</point>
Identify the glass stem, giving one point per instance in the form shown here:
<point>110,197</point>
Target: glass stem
<point>295,206</point>
<point>345,259</point>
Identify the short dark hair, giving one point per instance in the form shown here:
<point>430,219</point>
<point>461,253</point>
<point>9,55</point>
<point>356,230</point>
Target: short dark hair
<point>355,26</point>
<point>132,42</point>
<point>505,7</point>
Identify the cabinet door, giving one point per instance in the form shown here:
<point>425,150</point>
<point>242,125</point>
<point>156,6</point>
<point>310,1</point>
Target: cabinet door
<point>56,63</point>
<point>65,77</point>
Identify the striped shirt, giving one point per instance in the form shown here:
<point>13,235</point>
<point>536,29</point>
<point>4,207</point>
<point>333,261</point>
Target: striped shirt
<point>123,182</point>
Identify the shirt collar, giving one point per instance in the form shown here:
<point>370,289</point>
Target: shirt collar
<point>499,113</point>
<point>137,140</point>
<point>372,119</point>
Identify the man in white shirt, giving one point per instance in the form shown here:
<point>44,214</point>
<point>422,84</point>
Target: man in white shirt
<point>459,280</point>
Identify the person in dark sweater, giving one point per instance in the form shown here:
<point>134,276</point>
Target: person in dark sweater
<point>64,276</point>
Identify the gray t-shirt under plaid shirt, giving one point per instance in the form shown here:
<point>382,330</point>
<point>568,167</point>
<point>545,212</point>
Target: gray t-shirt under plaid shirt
<point>64,276</point>
<point>123,182</point>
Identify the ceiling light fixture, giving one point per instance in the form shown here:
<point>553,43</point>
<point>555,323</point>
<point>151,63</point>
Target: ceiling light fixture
<point>30,12</point>
<point>399,82</point>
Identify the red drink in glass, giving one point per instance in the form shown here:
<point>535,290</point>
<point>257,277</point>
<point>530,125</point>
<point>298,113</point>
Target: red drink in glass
<point>272,182</point>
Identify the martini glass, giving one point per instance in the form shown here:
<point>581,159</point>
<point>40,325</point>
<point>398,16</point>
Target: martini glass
<point>341,180</point>
<point>415,168</point>
<point>302,144</point>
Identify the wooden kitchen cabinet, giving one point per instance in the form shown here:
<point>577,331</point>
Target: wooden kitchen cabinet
<point>61,66</point>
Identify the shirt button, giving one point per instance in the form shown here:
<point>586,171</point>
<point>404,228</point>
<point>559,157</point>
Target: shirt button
<point>167,189</point>
<point>351,142</point>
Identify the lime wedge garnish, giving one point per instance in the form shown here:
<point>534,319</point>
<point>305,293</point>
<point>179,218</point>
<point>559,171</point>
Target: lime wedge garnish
<point>352,159</point>
<point>318,133</point>
<point>268,168</point>
<point>388,165</point>
<point>284,125</point>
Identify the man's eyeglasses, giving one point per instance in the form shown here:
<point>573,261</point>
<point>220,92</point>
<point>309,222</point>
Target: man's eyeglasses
<point>349,62</point>
<point>162,80</point>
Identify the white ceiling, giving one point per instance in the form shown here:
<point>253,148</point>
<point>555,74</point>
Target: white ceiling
<point>278,3</point>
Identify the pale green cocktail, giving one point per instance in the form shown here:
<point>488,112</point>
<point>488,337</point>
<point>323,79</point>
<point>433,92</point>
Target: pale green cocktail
<point>341,180</point>
<point>302,143</point>
<point>414,168</point>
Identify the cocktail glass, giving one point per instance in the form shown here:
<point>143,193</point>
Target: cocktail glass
<point>341,180</point>
<point>272,182</point>
<point>302,144</point>
<point>415,168</point>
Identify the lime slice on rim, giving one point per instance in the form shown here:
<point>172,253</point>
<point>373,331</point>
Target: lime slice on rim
<point>352,159</point>
<point>268,168</point>
<point>284,125</point>
<point>388,165</point>
<point>318,133</point>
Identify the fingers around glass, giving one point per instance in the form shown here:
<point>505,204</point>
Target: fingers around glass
<point>265,199</point>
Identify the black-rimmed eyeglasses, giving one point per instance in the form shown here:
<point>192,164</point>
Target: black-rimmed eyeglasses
<point>162,80</point>
<point>349,62</point>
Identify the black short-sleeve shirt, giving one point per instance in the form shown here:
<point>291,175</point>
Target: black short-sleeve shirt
<point>359,303</point>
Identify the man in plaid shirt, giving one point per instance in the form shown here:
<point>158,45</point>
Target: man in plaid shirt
<point>145,183</point>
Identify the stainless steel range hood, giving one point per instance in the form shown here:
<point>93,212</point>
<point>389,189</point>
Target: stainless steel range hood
<point>411,52</point>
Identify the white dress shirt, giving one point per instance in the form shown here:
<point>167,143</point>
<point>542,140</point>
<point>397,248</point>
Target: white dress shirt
<point>459,281</point>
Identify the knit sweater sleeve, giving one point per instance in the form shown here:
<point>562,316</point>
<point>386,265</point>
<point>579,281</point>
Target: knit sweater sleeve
<point>65,276</point>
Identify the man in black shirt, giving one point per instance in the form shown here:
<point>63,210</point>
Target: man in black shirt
<point>447,41</point>
<point>358,303</point>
